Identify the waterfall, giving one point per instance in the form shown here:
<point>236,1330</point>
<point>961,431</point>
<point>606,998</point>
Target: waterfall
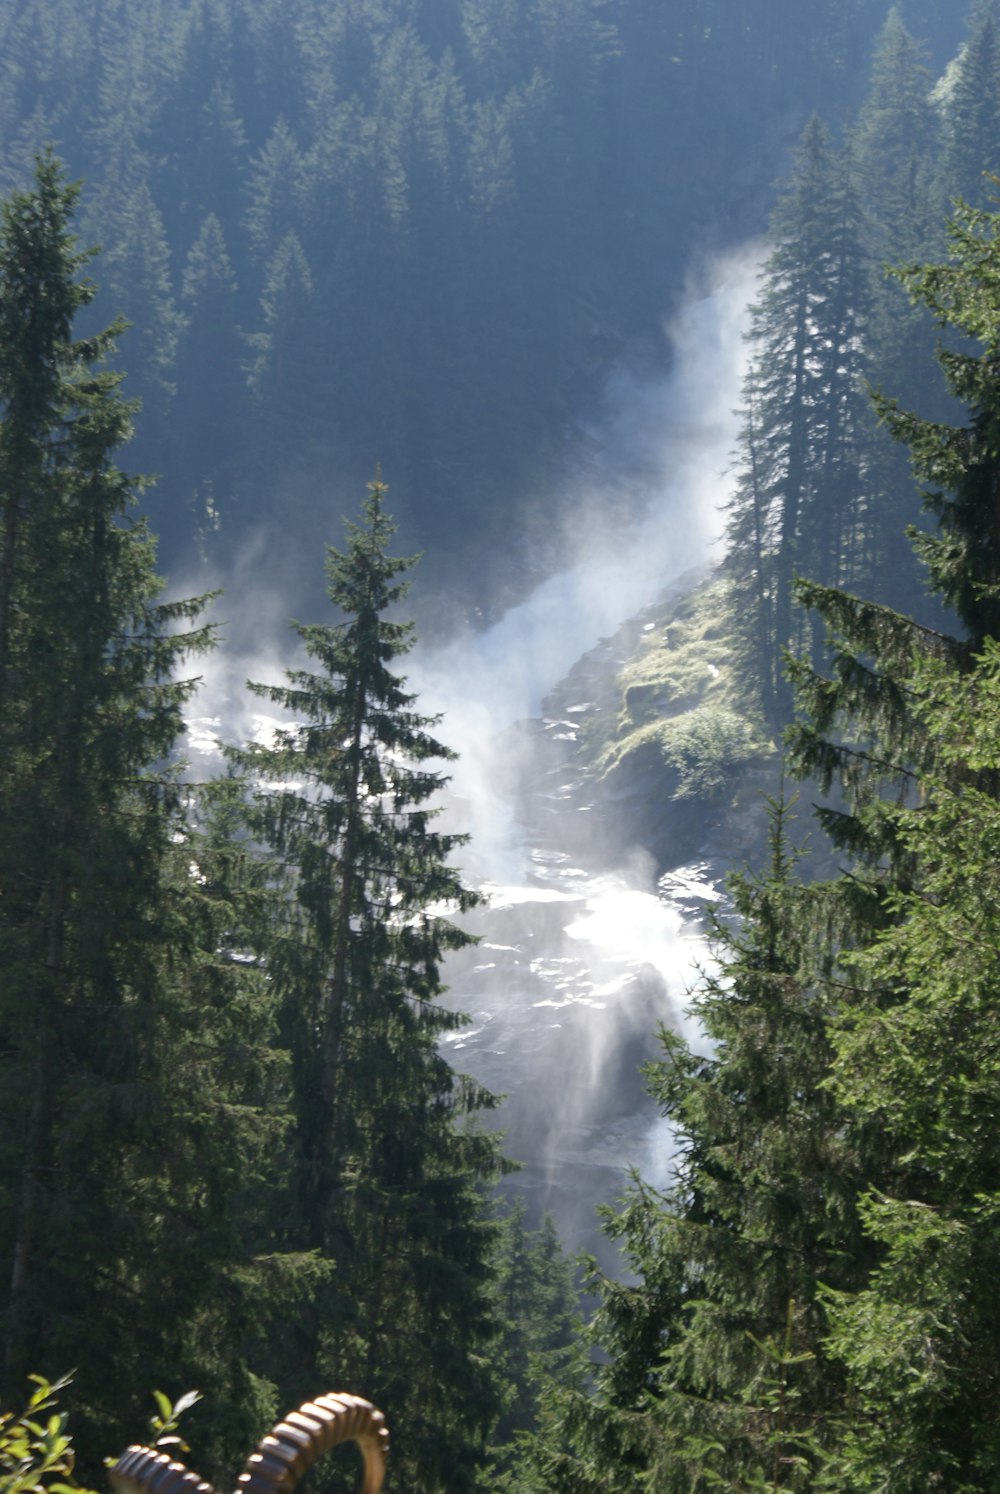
<point>579,963</point>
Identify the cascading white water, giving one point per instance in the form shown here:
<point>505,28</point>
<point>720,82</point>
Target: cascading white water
<point>578,965</point>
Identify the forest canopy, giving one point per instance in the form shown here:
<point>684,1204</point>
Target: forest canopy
<point>233,1154</point>
<point>420,232</point>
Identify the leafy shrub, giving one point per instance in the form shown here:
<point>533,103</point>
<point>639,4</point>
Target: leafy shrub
<point>36,1453</point>
<point>704,748</point>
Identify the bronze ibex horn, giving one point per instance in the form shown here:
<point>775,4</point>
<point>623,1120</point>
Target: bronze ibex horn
<point>282,1458</point>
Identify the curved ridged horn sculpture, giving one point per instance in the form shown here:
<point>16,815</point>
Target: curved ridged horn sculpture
<point>282,1458</point>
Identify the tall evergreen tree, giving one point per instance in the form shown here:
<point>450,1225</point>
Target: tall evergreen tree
<point>969,101</point>
<point>718,1373</point>
<point>210,389</point>
<point>799,504</point>
<point>274,192</point>
<point>912,709</point>
<point>540,1346</point>
<point>124,1115</point>
<point>290,353</point>
<point>835,1152</point>
<point>895,145</point>
<point>137,278</point>
<point>390,1170</point>
<point>919,1062</point>
<point>867,700</point>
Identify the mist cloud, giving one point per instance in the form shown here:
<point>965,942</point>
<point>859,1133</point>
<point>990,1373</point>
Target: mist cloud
<point>564,1005</point>
<point>674,435</point>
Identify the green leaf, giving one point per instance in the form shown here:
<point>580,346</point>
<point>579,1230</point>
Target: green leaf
<point>163,1403</point>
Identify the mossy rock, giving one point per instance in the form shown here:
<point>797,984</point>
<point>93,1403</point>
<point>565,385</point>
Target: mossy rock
<point>668,747</point>
<point>648,701</point>
<point>701,753</point>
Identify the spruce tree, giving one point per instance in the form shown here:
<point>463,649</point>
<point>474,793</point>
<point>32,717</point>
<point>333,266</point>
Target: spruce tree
<point>957,466</point>
<point>904,726</point>
<point>718,1371</point>
<point>857,725</point>
<point>895,146</point>
<point>922,1064</point>
<point>138,1098</point>
<point>210,389</point>
<point>81,641</point>
<point>289,353</point>
<point>799,500</point>
<point>137,278</point>
<point>540,1348</point>
<point>390,1170</point>
<point>969,101</point>
<point>274,192</point>
<point>893,142</point>
<point>890,1300</point>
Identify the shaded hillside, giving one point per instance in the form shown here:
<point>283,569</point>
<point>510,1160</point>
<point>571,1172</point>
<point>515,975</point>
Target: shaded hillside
<point>414,232</point>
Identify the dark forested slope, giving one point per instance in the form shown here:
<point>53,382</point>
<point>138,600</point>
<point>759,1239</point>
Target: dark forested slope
<point>409,231</point>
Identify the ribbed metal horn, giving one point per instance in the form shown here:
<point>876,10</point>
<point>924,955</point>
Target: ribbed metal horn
<point>282,1458</point>
<point>140,1470</point>
<point>306,1434</point>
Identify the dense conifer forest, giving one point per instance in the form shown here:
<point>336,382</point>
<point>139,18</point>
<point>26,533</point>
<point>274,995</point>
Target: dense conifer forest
<point>409,231</point>
<point>233,1155</point>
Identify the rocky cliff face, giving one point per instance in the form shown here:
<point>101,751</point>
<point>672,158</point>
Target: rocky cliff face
<point>650,736</point>
<point>635,792</point>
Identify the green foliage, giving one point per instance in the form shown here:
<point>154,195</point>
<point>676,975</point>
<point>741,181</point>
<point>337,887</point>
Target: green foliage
<point>164,1426</point>
<point>677,711</point>
<point>800,492</point>
<point>896,146</point>
<point>227,1133</point>
<point>880,741</point>
<point>705,749</point>
<point>492,199</point>
<point>36,1452</point>
<point>139,1090</point>
<point>969,102</point>
<point>701,751</point>
<point>683,658</point>
<point>914,1044</point>
<point>958,464</point>
<point>220,1090</point>
<point>922,1064</point>
<point>539,1346</point>
<point>718,1374</point>
<point>388,1166</point>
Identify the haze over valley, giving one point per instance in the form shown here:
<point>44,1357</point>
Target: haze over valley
<point>518,777</point>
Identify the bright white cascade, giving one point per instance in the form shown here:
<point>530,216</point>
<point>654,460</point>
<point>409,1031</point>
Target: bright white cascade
<point>578,966</point>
